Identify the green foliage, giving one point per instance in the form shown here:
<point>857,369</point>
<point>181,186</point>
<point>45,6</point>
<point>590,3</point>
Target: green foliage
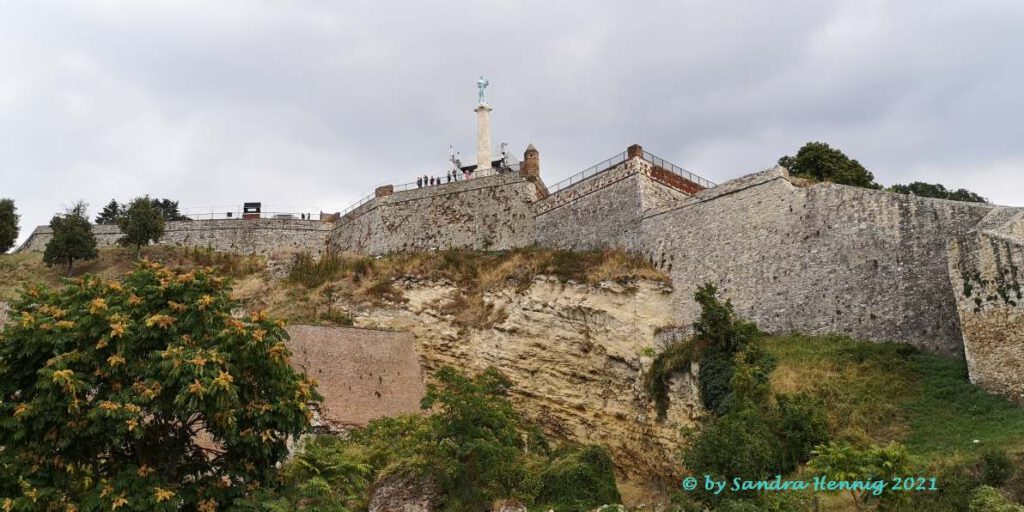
<point>106,386</point>
<point>140,224</point>
<point>803,425</point>
<point>311,272</point>
<point>996,467</point>
<point>722,335</point>
<point>325,475</point>
<point>742,443</point>
<point>72,238</point>
<point>937,191</point>
<point>110,213</point>
<point>821,162</point>
<point>845,462</point>
<point>987,499</point>
<point>168,209</point>
<point>578,478</point>
<point>474,447</point>
<point>8,224</point>
<point>676,358</point>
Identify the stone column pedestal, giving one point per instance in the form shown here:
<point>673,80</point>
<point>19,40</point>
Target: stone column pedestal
<point>483,136</point>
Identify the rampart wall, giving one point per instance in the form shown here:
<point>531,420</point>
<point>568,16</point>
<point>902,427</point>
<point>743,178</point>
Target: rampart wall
<point>822,258</point>
<point>491,212</point>
<point>252,236</point>
<point>604,209</point>
<point>986,277</point>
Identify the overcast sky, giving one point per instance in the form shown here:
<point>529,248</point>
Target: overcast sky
<point>312,104</point>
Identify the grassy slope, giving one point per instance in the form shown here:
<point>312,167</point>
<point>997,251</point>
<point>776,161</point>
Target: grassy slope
<point>886,392</point>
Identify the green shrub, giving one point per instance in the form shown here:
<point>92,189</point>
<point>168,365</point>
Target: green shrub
<point>803,424</point>
<point>724,336</point>
<point>987,499</point>
<point>739,444</point>
<point>579,478</point>
<point>676,358</point>
<point>337,317</point>
<point>996,467</point>
<point>311,272</point>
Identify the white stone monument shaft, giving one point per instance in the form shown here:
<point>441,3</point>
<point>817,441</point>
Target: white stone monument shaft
<point>483,136</point>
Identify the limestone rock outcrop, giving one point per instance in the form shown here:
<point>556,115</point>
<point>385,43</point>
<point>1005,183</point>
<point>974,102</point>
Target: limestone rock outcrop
<point>576,355</point>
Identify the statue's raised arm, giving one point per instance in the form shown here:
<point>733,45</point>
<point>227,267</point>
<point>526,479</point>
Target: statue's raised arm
<point>482,84</point>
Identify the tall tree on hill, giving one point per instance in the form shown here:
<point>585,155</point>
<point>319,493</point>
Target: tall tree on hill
<point>168,209</point>
<point>141,223</point>
<point>72,238</point>
<point>110,213</point>
<point>819,161</point>
<point>8,224</point>
<point>937,191</point>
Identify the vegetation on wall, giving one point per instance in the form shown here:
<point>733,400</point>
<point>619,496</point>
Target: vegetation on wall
<point>820,162</point>
<point>937,191</point>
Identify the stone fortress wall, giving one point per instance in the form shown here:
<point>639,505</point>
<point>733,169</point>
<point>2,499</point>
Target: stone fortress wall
<point>986,275</point>
<point>604,209</point>
<point>793,256</point>
<point>819,258</point>
<point>491,212</point>
<point>249,236</point>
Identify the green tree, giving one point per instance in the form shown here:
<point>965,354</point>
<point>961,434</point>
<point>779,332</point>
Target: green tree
<point>8,224</point>
<point>845,462</point>
<point>140,224</point>
<point>937,191</point>
<point>143,395</point>
<point>73,238</point>
<point>168,209</point>
<point>821,162</point>
<point>110,213</point>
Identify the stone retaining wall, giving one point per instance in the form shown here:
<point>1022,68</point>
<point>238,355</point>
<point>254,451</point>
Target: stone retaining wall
<point>822,258</point>
<point>986,275</point>
<point>252,236</point>
<point>491,212</point>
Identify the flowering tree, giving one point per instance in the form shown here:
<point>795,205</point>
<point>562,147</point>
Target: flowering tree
<point>142,395</point>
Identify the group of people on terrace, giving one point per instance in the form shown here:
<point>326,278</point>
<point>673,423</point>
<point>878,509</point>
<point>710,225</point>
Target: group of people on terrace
<point>430,181</point>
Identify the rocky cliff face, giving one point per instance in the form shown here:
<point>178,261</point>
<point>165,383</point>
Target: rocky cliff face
<point>576,355</point>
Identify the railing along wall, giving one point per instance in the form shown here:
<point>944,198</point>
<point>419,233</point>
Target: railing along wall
<point>610,163</point>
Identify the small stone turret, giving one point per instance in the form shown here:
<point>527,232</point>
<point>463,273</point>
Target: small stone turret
<point>531,163</point>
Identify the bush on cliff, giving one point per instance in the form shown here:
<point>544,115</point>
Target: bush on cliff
<point>474,448</point>
<point>145,394</point>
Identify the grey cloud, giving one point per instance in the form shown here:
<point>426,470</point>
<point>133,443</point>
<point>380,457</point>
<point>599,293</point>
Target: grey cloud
<point>313,103</point>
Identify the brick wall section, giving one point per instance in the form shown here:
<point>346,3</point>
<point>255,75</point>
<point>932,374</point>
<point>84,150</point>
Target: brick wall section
<point>986,272</point>
<point>255,236</point>
<point>362,374</point>
<point>491,212</point>
<point>818,259</point>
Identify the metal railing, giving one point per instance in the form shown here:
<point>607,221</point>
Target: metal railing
<point>588,172</point>
<point>231,212</point>
<point>669,166</point>
<point>594,170</point>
